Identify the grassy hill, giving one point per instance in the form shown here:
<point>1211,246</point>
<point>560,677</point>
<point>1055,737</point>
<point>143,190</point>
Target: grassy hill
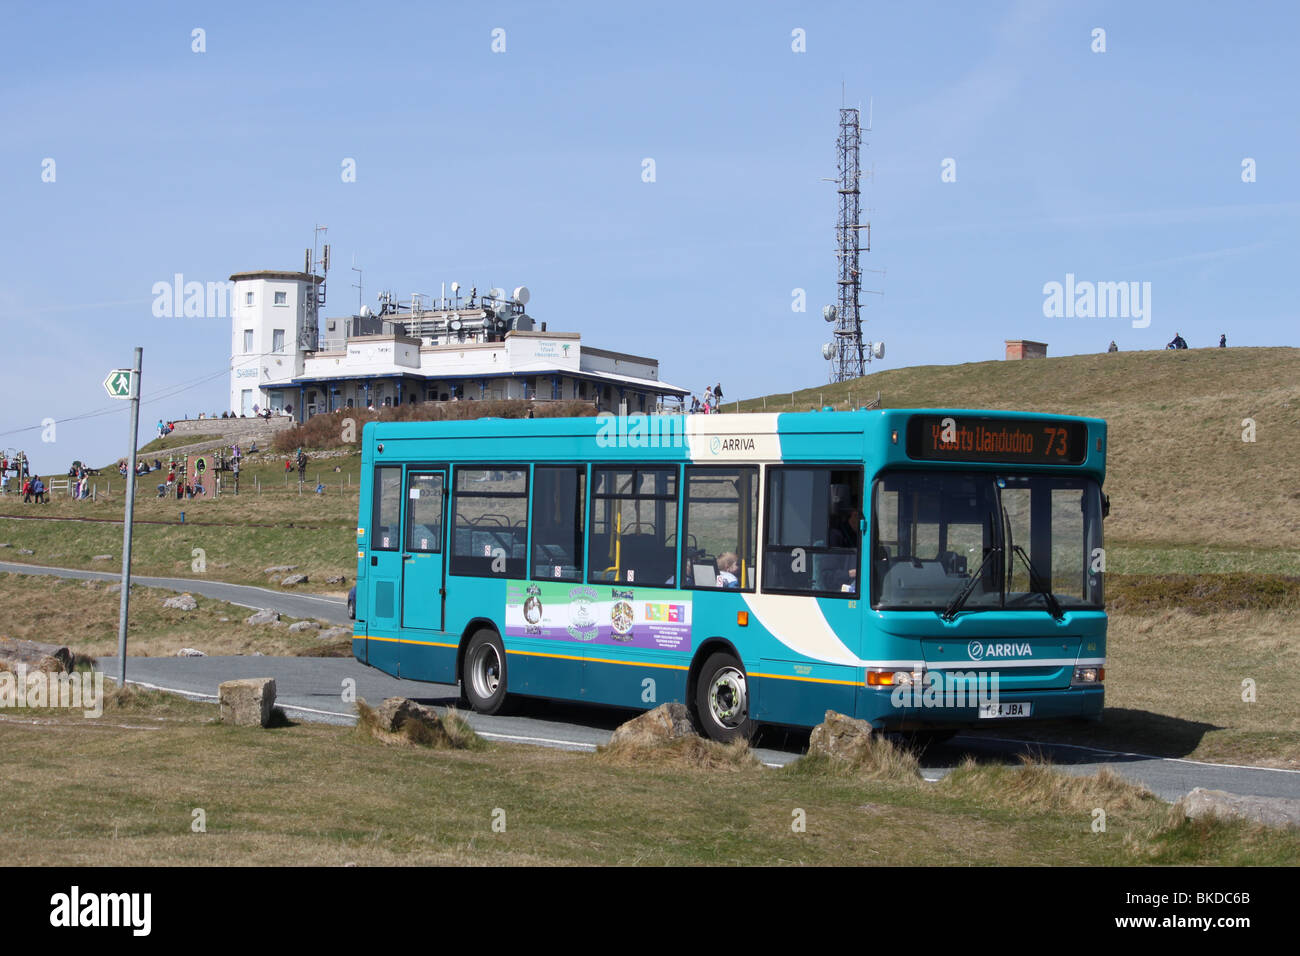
<point>1179,474</point>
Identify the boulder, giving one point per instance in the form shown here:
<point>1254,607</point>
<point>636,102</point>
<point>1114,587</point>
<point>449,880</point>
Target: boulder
<point>247,703</point>
<point>666,722</point>
<point>1271,811</point>
<point>335,633</point>
<point>190,652</point>
<point>300,626</point>
<point>181,602</point>
<point>336,579</point>
<point>291,579</point>
<point>280,569</point>
<point>6,545</point>
<point>50,658</point>
<point>26,551</point>
<point>264,616</point>
<point>102,557</point>
<point>395,712</point>
<point>840,737</point>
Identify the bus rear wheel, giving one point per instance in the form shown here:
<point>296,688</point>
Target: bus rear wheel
<point>483,673</point>
<point>722,700</point>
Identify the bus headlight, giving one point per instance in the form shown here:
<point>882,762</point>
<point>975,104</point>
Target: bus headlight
<point>1089,675</point>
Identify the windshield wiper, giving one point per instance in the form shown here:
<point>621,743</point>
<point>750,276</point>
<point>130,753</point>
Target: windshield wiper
<point>968,588</point>
<point>1037,584</point>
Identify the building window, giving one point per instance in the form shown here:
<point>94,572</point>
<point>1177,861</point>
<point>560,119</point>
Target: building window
<point>248,341</point>
<point>721,524</point>
<point>490,522</point>
<point>559,503</point>
<point>277,340</point>
<point>248,298</point>
<point>282,298</point>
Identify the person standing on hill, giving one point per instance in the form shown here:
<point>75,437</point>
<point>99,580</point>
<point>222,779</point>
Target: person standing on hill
<point>1223,341</point>
<point>302,466</point>
<point>1113,346</point>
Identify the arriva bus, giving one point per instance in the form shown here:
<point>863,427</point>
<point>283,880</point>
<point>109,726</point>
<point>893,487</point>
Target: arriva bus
<point>923,570</point>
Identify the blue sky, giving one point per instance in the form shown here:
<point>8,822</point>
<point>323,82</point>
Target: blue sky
<point>524,167</point>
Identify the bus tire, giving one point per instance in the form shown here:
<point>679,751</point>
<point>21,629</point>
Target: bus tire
<point>722,699</point>
<point>483,673</point>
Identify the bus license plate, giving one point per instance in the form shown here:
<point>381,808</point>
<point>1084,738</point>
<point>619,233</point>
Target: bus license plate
<point>1024,709</point>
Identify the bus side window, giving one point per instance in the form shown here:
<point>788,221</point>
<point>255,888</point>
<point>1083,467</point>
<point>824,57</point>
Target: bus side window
<point>633,526</point>
<point>813,533</point>
<point>559,503</point>
<point>490,521</point>
<point>385,525</point>
<point>720,527</point>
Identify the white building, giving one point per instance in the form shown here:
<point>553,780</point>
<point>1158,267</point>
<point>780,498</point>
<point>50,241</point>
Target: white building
<point>471,348</point>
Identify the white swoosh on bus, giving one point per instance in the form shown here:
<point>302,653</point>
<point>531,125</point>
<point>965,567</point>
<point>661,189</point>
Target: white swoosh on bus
<point>799,624</point>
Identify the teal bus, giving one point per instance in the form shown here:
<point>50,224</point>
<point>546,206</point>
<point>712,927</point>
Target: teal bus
<point>923,570</point>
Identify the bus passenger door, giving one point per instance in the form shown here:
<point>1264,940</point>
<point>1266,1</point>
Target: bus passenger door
<point>422,559</point>
<point>383,556</point>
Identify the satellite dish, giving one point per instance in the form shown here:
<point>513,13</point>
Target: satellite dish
<point>830,350</point>
<point>498,294</point>
<point>522,295</point>
<point>828,313</point>
<point>365,312</point>
<point>454,325</point>
<point>455,287</point>
<point>878,350</point>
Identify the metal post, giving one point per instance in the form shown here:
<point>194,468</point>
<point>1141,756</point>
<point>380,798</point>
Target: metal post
<point>130,516</point>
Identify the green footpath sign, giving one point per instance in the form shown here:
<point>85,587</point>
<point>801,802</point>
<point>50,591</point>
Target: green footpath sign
<point>118,383</point>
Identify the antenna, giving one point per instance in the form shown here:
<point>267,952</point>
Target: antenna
<point>357,285</point>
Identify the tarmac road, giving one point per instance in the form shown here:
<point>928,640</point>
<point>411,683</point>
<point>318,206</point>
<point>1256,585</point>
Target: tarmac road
<point>312,689</point>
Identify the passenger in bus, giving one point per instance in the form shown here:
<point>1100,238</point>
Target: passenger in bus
<point>844,528</point>
<point>728,570</point>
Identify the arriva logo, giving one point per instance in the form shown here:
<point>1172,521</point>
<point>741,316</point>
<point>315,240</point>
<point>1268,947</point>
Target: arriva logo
<point>718,444</point>
<point>979,651</point>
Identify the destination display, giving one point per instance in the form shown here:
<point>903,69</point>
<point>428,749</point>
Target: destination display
<point>976,438</point>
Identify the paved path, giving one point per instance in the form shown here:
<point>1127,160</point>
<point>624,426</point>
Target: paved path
<point>312,689</point>
<point>314,606</point>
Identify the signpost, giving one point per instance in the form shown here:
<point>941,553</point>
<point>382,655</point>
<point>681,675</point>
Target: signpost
<point>124,383</point>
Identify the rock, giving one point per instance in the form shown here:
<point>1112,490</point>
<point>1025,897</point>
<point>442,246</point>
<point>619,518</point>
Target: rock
<point>396,711</point>
<point>840,737</point>
<point>264,616</point>
<point>291,579</point>
<point>1271,811</point>
<point>247,703</point>
<point>335,633</point>
<point>190,652</point>
<point>50,658</point>
<point>336,579</point>
<point>224,620</point>
<point>26,551</point>
<point>6,545</point>
<point>300,626</point>
<point>666,722</point>
<point>102,557</point>
<point>181,602</point>
<point>281,569</point>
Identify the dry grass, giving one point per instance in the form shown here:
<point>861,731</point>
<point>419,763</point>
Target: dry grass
<point>879,759</point>
<point>682,753</point>
<point>84,616</point>
<point>322,795</point>
<point>1036,784</point>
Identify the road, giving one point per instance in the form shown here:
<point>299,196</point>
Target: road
<point>314,606</point>
<point>312,689</point>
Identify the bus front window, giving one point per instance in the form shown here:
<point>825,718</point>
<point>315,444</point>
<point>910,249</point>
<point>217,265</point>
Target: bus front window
<point>931,532</point>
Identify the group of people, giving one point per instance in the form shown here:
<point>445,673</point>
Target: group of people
<point>712,401</point>
<point>34,490</point>
<point>1178,342</point>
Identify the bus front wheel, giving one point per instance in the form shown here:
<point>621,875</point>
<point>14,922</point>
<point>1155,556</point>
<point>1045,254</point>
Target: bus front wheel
<point>483,673</point>
<point>722,699</point>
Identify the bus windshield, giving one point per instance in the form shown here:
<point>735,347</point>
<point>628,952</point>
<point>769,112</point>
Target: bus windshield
<point>932,531</point>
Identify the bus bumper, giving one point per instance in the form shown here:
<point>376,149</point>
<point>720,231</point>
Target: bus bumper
<point>886,712</point>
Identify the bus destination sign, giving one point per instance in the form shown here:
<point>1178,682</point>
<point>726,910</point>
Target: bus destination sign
<point>972,438</point>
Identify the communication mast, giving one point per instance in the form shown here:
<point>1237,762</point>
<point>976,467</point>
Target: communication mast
<point>847,353</point>
<point>309,331</point>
